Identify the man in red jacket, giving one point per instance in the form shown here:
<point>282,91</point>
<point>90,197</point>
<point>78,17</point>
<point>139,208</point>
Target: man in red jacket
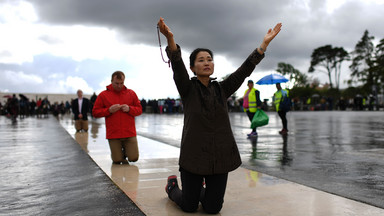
<point>119,105</point>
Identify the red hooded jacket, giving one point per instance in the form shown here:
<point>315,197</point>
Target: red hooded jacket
<point>119,124</point>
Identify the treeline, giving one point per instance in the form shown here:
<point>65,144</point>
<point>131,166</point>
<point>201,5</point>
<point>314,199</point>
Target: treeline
<point>366,70</point>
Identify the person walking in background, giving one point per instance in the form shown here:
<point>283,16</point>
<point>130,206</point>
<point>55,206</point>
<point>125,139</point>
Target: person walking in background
<point>143,103</point>
<point>46,104</point>
<point>277,97</point>
<point>80,109</point>
<point>251,102</point>
<point>39,106</point>
<point>13,107</point>
<point>208,149</point>
<point>93,100</point>
<point>32,108</point>
<point>119,105</point>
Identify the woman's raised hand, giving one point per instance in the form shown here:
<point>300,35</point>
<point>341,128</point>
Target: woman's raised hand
<point>272,33</point>
<point>269,37</point>
<point>164,29</point>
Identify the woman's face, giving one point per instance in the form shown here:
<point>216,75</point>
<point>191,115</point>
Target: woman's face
<point>203,64</point>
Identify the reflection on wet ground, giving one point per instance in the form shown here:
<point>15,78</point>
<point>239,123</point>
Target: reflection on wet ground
<point>337,152</point>
<point>45,172</point>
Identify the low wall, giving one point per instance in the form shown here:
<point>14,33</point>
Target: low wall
<point>35,96</point>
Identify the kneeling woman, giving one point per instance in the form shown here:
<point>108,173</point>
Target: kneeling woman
<point>208,149</point>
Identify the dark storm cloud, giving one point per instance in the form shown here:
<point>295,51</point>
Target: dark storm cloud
<point>230,28</point>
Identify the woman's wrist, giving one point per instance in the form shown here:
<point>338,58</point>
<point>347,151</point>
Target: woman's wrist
<point>171,44</point>
<point>264,46</point>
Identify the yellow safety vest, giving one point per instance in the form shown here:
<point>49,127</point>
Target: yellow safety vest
<point>252,103</point>
<point>277,98</point>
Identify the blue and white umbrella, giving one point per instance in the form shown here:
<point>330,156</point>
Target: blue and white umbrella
<point>272,79</point>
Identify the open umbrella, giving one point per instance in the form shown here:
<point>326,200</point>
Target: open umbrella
<point>23,97</point>
<point>272,79</point>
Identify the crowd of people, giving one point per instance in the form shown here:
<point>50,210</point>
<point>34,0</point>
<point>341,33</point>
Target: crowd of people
<point>22,107</point>
<point>319,103</point>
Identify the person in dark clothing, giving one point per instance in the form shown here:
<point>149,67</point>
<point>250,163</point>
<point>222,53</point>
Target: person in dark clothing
<point>208,149</point>
<point>80,109</point>
<point>14,108</point>
<point>143,103</point>
<point>32,107</point>
<point>46,105</point>
<point>92,100</point>
<point>277,98</point>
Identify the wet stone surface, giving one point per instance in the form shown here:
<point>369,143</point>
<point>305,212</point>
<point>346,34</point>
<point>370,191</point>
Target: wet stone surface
<point>45,172</point>
<point>337,152</point>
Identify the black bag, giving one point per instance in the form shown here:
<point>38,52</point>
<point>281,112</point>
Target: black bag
<point>285,104</point>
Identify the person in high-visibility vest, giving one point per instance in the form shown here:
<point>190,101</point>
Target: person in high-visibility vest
<point>276,100</point>
<point>251,102</point>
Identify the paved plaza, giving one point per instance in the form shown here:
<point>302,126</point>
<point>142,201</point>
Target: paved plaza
<point>329,164</point>
<point>340,152</point>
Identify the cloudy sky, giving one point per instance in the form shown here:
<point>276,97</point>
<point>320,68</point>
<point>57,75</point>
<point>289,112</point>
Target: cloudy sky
<point>59,46</point>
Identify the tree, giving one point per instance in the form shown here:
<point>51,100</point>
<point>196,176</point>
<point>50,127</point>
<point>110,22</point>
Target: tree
<point>362,67</point>
<point>331,60</point>
<point>340,55</point>
<point>300,79</point>
<point>379,61</point>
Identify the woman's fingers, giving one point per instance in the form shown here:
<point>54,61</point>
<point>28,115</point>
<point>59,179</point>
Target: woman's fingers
<point>164,29</point>
<point>277,28</point>
<point>162,26</point>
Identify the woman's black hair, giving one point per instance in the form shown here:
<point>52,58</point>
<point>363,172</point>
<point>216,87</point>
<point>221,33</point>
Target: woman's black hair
<point>193,55</point>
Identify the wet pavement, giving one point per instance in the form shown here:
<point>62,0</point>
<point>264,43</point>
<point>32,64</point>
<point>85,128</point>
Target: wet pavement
<point>45,172</point>
<point>331,163</point>
<point>337,152</point>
